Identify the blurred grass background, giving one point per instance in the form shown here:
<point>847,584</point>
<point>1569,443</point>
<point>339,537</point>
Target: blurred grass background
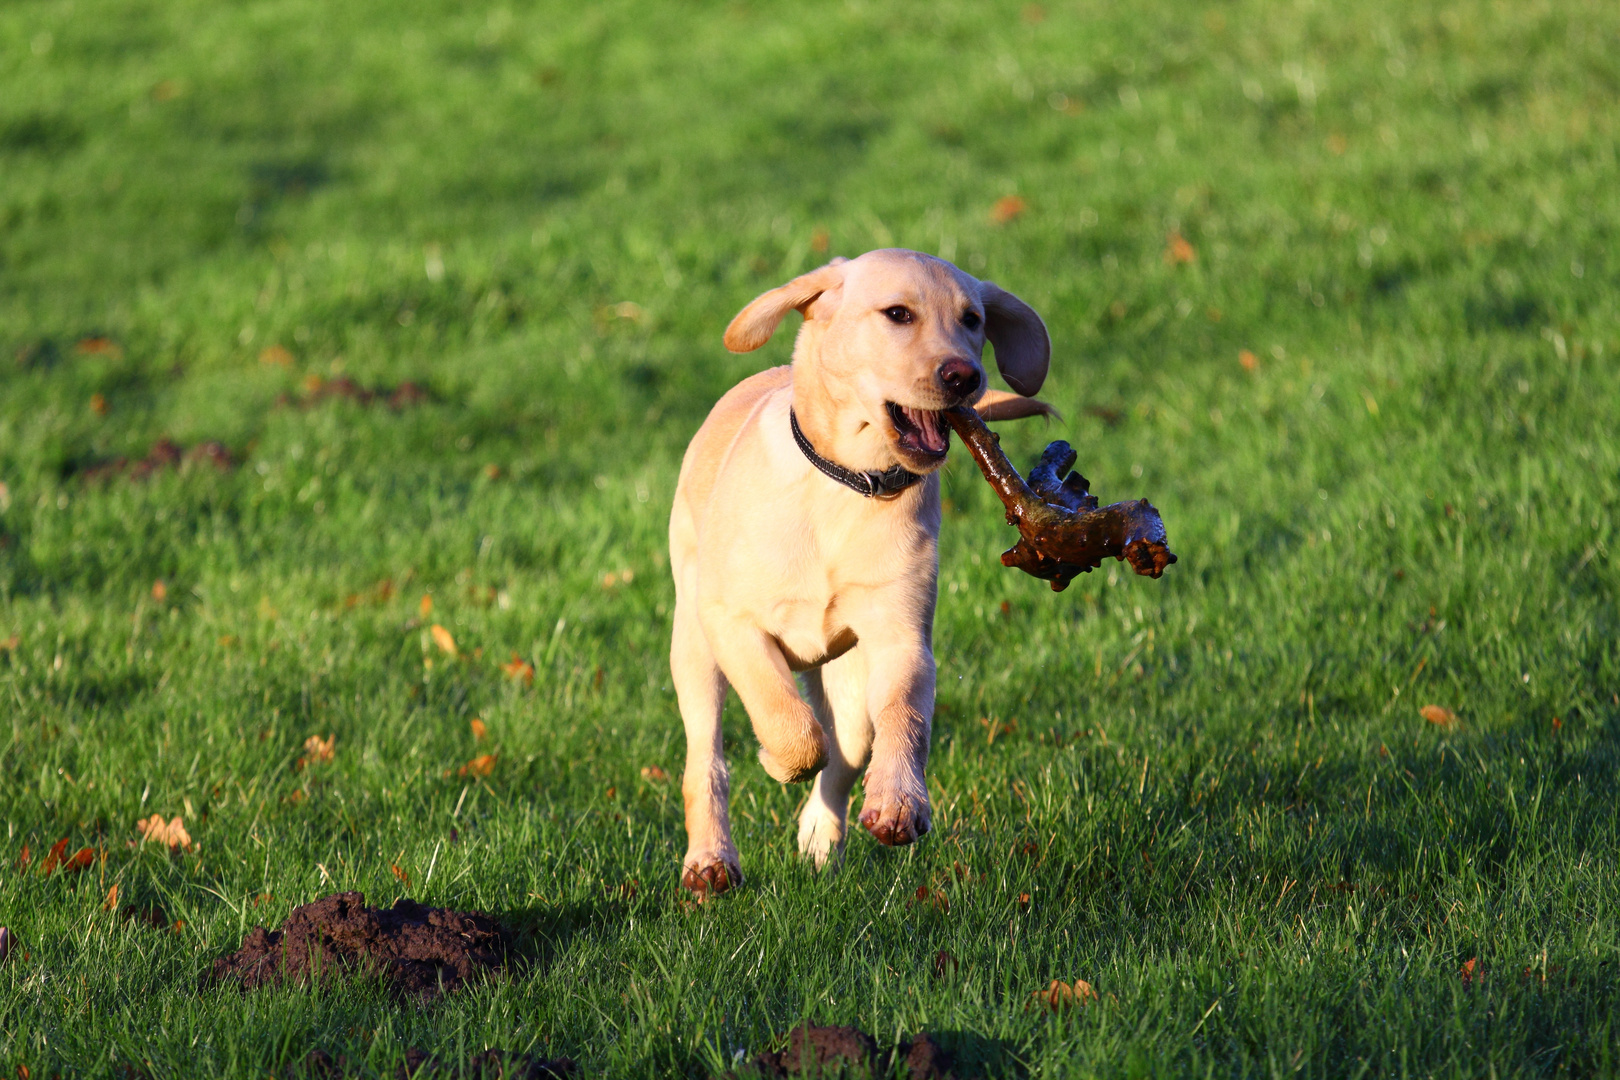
<point>1334,286</point>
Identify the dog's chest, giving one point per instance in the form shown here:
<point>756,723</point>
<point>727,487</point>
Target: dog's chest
<point>834,585</point>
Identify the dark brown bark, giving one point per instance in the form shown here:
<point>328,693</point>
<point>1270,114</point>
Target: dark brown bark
<point>1062,530</point>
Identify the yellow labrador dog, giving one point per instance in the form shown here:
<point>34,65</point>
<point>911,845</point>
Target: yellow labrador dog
<point>804,539</point>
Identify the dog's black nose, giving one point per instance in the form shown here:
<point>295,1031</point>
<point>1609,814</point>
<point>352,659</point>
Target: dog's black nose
<point>961,377</point>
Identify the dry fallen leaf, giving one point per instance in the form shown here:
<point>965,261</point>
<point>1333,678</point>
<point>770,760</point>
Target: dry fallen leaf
<point>1249,361</point>
<point>98,404</point>
<point>654,773</point>
<point>318,750</point>
<point>1471,972</point>
<point>442,638</point>
<point>23,858</point>
<point>99,346</point>
<point>1178,250</point>
<point>404,878</point>
<point>482,765</point>
<point>1007,208</point>
<point>1061,995</point>
<point>519,669</point>
<point>1440,715</point>
<point>82,859</point>
<point>171,834</point>
<point>53,858</point>
<point>479,728</point>
<point>112,898</point>
<point>819,240</point>
<point>10,643</point>
<point>277,355</point>
<point>160,591</point>
<point>945,964</point>
<point>426,606</point>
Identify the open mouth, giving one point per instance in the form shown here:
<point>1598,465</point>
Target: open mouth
<point>922,431</point>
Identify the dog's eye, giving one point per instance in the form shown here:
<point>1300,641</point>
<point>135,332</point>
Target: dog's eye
<point>900,316</point>
<point>971,320</point>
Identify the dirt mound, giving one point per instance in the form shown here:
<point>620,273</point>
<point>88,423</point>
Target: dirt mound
<point>397,398</point>
<point>828,1051</point>
<point>416,950</point>
<point>487,1065</point>
<point>164,454</point>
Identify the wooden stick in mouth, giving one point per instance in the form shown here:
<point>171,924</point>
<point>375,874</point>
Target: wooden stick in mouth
<point>1062,531</point>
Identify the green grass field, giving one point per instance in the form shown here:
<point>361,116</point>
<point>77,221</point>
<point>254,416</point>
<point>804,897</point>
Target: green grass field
<point>1211,797</point>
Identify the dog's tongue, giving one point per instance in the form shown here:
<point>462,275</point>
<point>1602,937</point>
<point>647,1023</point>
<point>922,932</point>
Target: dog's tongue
<point>930,429</point>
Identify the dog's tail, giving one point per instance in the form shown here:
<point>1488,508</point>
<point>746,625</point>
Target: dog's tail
<point>1001,405</point>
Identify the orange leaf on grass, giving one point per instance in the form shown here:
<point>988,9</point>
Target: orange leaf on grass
<point>426,606</point>
<point>1471,972</point>
<point>171,834</point>
<point>277,355</point>
<point>482,765</point>
<point>654,773</point>
<point>23,858</point>
<point>1177,250</point>
<point>1439,715</point>
<point>442,638</point>
<point>160,591</point>
<point>479,728</point>
<point>53,858</point>
<point>98,404</point>
<point>82,859</point>
<point>10,643</point>
<point>112,898</point>
<point>99,346</point>
<point>519,669</point>
<point>1007,208</point>
<point>1249,361</point>
<point>404,878</point>
<point>318,750</point>
<point>1061,995</point>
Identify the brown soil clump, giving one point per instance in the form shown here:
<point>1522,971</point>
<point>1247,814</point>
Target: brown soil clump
<point>397,398</point>
<point>164,454</point>
<point>418,951</point>
<point>832,1051</point>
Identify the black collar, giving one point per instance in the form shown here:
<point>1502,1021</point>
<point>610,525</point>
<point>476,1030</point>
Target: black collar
<point>869,483</point>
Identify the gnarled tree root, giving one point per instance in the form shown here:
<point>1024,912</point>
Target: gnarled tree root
<point>1062,531</point>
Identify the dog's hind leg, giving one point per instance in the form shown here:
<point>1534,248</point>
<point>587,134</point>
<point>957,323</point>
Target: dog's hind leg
<point>711,865</point>
<point>837,693</point>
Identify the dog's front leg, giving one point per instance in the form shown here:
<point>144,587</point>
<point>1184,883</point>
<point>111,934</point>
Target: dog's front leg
<point>791,744</point>
<point>900,699</point>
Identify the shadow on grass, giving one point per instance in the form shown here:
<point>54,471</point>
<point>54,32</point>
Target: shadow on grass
<point>539,934</point>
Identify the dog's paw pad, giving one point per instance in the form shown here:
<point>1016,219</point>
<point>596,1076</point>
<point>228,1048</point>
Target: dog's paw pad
<point>710,879</point>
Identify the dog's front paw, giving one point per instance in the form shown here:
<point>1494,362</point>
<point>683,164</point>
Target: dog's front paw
<point>806,760</point>
<point>895,820</point>
<point>708,874</point>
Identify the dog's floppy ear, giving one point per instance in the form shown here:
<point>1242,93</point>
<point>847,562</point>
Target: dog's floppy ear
<point>755,323</point>
<point>1023,349</point>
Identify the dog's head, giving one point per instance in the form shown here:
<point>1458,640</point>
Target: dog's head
<point>897,336</point>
